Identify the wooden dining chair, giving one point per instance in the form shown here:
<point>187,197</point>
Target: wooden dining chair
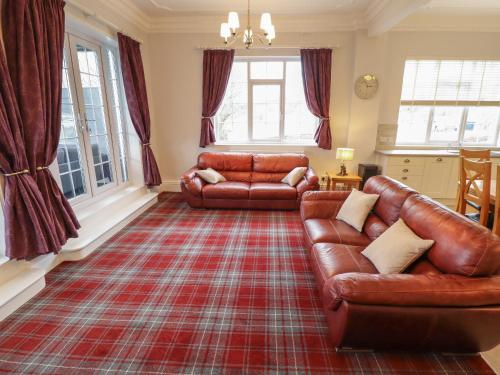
<point>479,155</point>
<point>496,221</point>
<point>475,180</point>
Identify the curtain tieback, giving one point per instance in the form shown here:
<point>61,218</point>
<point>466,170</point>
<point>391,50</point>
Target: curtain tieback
<point>206,117</point>
<point>146,144</point>
<point>41,168</point>
<point>324,118</point>
<point>24,171</point>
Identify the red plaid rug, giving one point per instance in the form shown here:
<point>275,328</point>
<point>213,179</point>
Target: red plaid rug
<point>184,291</point>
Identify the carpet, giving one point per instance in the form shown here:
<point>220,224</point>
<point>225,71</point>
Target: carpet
<point>183,291</point>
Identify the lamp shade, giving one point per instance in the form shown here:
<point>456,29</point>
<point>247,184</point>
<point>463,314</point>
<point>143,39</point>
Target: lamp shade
<point>265,21</point>
<point>271,33</point>
<point>345,153</point>
<point>225,32</point>
<point>233,20</point>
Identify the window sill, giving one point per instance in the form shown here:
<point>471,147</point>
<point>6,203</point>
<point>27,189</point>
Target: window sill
<point>263,146</point>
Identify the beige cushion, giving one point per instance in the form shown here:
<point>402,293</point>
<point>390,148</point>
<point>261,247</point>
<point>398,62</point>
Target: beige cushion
<point>396,248</point>
<point>356,208</point>
<point>294,176</point>
<point>210,175</point>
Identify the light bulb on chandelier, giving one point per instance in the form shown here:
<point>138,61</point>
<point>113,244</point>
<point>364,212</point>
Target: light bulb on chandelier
<point>228,30</point>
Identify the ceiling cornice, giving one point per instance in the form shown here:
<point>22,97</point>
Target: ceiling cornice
<point>132,13</point>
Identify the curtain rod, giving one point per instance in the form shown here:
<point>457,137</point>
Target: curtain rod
<point>337,46</point>
<point>91,14</point>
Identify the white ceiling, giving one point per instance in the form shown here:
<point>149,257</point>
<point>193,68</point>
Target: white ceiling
<point>156,8</point>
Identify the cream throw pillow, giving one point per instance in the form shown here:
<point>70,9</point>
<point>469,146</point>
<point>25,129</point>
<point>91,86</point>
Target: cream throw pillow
<point>356,208</point>
<point>396,248</point>
<point>294,176</point>
<point>210,175</point>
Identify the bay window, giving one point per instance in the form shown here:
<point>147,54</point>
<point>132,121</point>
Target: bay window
<point>450,102</point>
<point>265,103</point>
<point>92,152</point>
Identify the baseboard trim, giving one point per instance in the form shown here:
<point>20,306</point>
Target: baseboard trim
<point>492,358</point>
<point>169,185</point>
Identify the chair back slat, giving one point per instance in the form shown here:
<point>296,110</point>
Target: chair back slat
<point>480,155</point>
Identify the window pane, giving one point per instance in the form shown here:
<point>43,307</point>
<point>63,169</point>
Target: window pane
<point>69,155</point>
<point>266,112</point>
<point>426,80</point>
<point>232,118</point>
<point>481,125</point>
<point>449,80</point>
<point>266,69</point>
<point>491,81</point>
<point>412,124</point>
<point>446,124</point>
<point>409,80</point>
<point>470,82</point>
<point>117,111</point>
<point>300,124</point>
<point>94,108</point>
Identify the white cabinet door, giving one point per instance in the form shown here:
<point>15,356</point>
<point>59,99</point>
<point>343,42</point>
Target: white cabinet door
<point>437,174</point>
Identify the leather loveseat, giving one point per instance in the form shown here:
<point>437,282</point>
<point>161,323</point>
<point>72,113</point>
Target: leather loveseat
<point>448,300</point>
<point>253,181</point>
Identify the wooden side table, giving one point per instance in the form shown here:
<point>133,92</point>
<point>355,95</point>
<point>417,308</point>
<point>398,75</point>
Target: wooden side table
<point>349,182</point>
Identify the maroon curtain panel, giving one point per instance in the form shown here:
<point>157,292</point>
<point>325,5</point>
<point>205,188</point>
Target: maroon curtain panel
<point>317,76</point>
<point>137,100</point>
<point>217,66</point>
<point>34,40</point>
<point>28,230</point>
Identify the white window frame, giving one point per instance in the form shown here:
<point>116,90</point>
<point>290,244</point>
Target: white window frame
<point>94,193</point>
<point>256,82</point>
<point>466,104</point>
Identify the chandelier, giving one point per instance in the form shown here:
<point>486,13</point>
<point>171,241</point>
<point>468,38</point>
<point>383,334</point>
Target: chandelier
<point>228,30</point>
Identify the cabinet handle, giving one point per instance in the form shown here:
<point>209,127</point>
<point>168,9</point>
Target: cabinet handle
<point>404,178</point>
<point>407,160</point>
<point>405,170</point>
<point>439,159</point>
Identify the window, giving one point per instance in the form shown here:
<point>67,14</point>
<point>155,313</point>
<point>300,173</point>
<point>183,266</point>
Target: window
<point>92,151</point>
<point>265,103</point>
<point>450,102</point>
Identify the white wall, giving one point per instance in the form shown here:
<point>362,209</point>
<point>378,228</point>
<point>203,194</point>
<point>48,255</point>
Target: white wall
<point>176,65</point>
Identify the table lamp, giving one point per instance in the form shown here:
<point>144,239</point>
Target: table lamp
<point>344,154</point>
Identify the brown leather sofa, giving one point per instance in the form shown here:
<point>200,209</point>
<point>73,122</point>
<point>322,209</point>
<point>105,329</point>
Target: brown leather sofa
<point>448,300</point>
<point>253,181</point>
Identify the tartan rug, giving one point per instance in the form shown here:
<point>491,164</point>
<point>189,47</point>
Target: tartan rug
<point>183,291</point>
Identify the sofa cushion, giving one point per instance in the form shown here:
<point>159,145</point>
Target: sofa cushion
<point>374,226</point>
<point>226,161</point>
<point>334,231</point>
<point>262,190</point>
<point>392,193</point>
<point>329,260</point>
<point>356,208</point>
<point>268,177</point>
<point>227,190</point>
<point>278,163</point>
<point>461,246</point>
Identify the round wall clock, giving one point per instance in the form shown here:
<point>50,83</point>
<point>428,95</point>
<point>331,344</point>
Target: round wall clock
<point>366,86</point>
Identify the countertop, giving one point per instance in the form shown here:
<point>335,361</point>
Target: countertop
<point>437,152</point>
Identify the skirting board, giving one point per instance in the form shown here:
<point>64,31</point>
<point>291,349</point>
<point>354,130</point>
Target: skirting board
<point>170,185</point>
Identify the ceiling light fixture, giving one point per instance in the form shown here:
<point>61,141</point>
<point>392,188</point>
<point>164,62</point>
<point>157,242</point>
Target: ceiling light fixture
<point>228,30</point>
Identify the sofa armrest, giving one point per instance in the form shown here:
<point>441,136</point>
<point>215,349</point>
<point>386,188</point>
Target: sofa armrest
<point>309,182</point>
<point>322,204</point>
<point>193,183</point>
<point>411,290</point>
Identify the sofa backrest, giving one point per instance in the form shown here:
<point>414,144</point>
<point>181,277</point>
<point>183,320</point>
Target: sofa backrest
<point>461,246</point>
<point>233,166</point>
<point>393,195</point>
<point>274,167</point>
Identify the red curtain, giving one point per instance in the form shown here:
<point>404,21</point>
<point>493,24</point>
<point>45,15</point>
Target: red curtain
<point>316,75</point>
<point>137,100</point>
<point>28,230</point>
<point>217,66</point>
<point>33,33</point>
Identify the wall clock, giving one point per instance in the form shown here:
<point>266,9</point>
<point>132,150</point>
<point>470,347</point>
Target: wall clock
<point>366,86</point>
